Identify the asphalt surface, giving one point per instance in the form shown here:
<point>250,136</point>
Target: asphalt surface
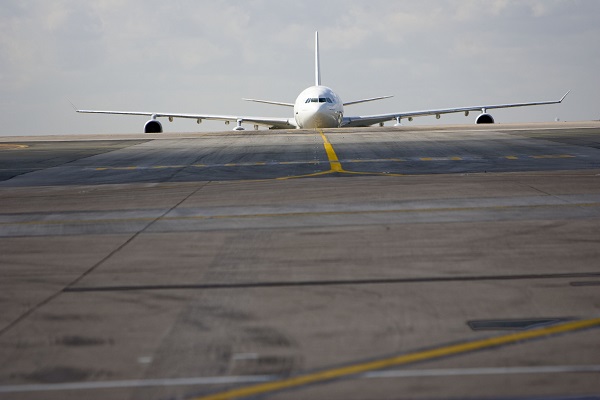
<point>380,263</point>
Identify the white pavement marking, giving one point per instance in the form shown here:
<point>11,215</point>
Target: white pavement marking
<point>216,380</point>
<point>481,371</point>
<point>220,380</point>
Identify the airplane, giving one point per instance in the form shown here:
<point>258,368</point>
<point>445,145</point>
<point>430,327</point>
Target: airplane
<point>320,107</point>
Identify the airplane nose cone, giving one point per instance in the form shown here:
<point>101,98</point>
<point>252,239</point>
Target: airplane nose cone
<point>319,116</point>
<point>313,119</point>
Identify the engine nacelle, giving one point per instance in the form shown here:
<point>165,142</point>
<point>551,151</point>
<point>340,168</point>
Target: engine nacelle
<point>153,126</point>
<point>484,119</point>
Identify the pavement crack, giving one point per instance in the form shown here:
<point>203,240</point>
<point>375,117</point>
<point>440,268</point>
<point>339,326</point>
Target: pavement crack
<point>134,236</point>
<point>94,267</point>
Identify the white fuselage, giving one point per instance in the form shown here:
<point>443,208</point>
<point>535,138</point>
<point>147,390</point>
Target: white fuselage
<point>318,107</point>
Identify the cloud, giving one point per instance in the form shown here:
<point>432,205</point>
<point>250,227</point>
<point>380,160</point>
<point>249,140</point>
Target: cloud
<point>187,56</point>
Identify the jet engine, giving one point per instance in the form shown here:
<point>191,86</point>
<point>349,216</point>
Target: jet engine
<point>484,118</point>
<point>153,126</point>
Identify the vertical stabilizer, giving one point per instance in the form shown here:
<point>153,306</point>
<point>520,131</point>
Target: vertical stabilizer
<point>317,66</point>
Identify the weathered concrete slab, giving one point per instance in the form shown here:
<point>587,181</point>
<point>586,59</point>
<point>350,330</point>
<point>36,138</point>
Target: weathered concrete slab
<point>187,264</point>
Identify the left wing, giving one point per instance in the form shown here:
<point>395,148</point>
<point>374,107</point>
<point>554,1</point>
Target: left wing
<point>272,122</point>
<point>368,120</point>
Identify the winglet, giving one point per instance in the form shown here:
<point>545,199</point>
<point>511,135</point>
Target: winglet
<point>562,98</point>
<point>317,67</point>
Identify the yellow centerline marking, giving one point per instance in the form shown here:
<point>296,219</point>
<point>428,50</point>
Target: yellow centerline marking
<point>335,166</point>
<point>334,162</point>
<point>439,352</point>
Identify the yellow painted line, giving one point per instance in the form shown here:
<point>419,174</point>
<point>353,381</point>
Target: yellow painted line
<point>441,158</point>
<point>168,166</point>
<point>117,168</point>
<point>375,160</point>
<point>11,146</point>
<point>334,162</point>
<point>419,356</point>
<point>283,178</point>
<point>554,156</point>
<point>296,162</point>
<point>372,173</point>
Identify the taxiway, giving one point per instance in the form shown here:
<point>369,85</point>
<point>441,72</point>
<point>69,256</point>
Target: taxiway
<point>380,263</point>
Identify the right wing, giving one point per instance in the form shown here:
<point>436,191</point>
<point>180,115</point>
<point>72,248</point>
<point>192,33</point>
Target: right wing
<point>368,120</point>
<point>272,122</point>
<point>365,100</point>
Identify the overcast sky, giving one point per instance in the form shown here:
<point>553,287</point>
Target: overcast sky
<point>204,56</point>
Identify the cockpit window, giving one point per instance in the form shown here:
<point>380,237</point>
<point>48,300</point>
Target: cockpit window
<point>319,100</point>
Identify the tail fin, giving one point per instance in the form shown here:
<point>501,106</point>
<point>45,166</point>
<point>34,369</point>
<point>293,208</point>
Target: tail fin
<point>317,66</point>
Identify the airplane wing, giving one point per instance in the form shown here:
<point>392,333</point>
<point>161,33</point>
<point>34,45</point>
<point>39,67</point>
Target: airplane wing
<point>365,100</point>
<point>272,122</point>
<point>277,103</point>
<point>359,121</point>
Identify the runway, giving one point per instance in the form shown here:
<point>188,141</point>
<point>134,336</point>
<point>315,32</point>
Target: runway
<point>436,262</point>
